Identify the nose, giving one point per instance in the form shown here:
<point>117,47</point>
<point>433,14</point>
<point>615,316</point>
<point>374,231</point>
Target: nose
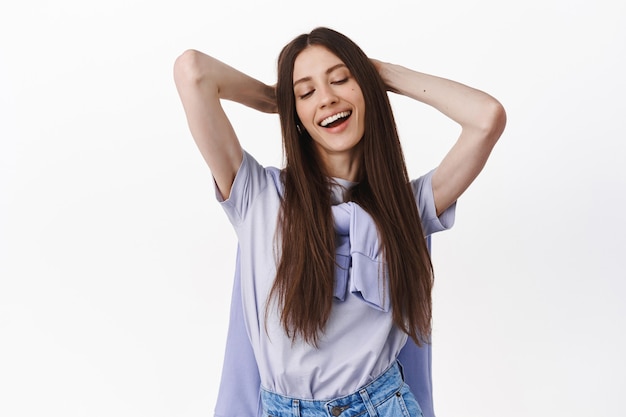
<point>327,96</point>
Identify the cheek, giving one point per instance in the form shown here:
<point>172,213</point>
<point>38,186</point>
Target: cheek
<point>304,114</point>
<point>299,111</point>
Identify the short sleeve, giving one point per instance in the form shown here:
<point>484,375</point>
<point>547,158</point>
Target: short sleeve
<point>250,181</point>
<point>423,192</point>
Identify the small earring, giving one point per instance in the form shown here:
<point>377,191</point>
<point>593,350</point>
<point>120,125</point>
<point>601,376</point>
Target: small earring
<point>299,128</point>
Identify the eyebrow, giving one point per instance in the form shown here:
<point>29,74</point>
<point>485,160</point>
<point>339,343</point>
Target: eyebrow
<point>328,71</point>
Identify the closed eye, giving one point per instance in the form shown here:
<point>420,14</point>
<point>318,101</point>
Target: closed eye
<point>310,92</point>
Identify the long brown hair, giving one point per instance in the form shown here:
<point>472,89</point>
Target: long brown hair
<point>305,276</point>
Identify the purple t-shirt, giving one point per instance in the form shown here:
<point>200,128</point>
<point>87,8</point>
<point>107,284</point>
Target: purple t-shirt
<point>360,340</point>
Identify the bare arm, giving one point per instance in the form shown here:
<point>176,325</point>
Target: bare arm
<point>201,82</point>
<point>482,119</point>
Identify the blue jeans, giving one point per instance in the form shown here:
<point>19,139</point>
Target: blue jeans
<point>386,396</point>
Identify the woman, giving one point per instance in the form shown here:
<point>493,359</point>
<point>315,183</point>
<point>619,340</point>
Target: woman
<point>333,267</point>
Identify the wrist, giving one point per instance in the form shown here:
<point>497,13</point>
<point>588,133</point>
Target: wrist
<point>269,96</point>
<point>390,75</point>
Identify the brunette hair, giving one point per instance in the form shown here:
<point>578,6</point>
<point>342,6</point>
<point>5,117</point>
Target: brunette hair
<point>305,275</point>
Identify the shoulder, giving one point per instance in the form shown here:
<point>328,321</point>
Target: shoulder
<point>252,174</point>
<point>424,198</point>
<point>422,186</point>
<point>253,184</point>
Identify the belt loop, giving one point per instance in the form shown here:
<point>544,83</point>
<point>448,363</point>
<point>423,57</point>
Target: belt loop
<point>295,408</point>
<point>368,403</point>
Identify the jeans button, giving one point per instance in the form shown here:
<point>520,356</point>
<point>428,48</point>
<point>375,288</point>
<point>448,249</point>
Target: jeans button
<point>335,411</point>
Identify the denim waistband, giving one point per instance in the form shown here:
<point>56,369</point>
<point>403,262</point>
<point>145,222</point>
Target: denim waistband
<point>352,405</point>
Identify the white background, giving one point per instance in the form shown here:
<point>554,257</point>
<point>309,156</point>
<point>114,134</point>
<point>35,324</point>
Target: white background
<point>116,262</point>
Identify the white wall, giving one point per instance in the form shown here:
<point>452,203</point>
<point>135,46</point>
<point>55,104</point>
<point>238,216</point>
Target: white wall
<point>116,262</point>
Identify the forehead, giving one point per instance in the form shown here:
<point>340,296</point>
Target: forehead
<point>313,61</point>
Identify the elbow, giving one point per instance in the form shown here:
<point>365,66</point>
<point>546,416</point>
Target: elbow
<point>494,121</point>
<point>499,118</point>
<point>187,68</point>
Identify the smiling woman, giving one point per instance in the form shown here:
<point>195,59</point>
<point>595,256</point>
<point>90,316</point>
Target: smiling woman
<point>331,108</point>
<point>333,285</point>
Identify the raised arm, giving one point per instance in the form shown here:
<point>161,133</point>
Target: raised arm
<point>201,82</point>
<point>482,119</point>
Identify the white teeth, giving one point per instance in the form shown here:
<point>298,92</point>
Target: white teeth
<point>334,117</point>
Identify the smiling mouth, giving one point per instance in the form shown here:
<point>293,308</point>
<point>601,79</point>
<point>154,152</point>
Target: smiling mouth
<point>335,119</point>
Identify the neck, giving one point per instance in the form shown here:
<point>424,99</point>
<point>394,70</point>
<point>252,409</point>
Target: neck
<point>343,165</point>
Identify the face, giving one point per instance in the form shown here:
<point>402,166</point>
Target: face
<point>329,103</point>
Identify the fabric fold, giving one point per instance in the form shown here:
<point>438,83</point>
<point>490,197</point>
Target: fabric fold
<point>360,268</point>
